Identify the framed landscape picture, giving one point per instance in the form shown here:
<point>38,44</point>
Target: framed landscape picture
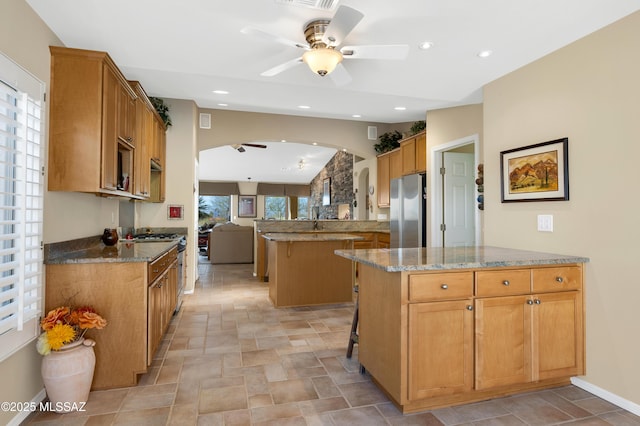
<point>537,172</point>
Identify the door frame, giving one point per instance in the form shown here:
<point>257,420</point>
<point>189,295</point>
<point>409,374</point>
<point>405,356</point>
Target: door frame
<point>435,187</point>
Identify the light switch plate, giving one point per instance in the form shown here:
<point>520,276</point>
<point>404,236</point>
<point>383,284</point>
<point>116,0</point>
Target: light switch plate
<point>545,223</point>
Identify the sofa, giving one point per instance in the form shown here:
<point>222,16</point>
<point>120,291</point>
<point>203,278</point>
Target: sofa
<point>230,243</point>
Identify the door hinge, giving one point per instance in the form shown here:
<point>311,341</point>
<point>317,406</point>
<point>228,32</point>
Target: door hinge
<point>443,227</point>
<point>442,171</point>
<point>42,171</point>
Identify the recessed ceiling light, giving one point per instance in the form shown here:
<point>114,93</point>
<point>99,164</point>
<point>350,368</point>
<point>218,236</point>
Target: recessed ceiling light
<point>400,108</point>
<point>223,105</point>
<point>344,149</point>
<point>315,144</point>
<point>485,53</point>
<point>356,116</point>
<point>283,141</point>
<point>304,106</point>
<point>220,92</point>
<point>425,45</point>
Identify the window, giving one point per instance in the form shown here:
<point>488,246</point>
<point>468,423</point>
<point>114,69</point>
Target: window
<point>213,209</point>
<point>303,208</point>
<point>275,208</point>
<point>21,206</point>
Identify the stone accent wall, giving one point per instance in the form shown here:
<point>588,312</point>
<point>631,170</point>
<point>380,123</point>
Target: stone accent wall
<point>340,170</point>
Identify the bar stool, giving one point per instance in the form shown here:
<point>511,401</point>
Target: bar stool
<point>353,337</point>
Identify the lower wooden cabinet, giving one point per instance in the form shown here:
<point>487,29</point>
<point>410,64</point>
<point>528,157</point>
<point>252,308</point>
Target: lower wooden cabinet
<point>470,335</point>
<point>137,314</point>
<point>440,333</point>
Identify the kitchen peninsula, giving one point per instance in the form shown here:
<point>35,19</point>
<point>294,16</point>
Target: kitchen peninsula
<point>375,234</point>
<point>446,326</point>
<point>303,269</point>
<point>133,285</point>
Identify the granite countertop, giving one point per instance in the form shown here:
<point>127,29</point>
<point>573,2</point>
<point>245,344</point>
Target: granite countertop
<point>123,251</point>
<point>310,236</point>
<point>438,258</point>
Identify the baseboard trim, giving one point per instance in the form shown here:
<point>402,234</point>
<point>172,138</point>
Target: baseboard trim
<point>606,395</point>
<point>22,416</point>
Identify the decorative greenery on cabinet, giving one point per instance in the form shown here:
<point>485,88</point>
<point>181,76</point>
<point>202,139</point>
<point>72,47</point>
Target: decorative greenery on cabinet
<point>163,110</point>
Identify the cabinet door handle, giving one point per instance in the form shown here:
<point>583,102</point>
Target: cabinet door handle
<point>505,282</point>
<point>537,301</point>
<point>469,307</point>
<point>560,280</point>
<point>444,286</point>
<point>529,302</point>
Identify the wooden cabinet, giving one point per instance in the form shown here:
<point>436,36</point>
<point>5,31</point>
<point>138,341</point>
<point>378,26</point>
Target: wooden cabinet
<point>433,338</point>
<point>440,334</point>
<point>162,295</point>
<point>101,130</point>
<point>137,313</point>
<point>410,158</point>
<point>90,107</point>
<point>414,154</point>
<point>389,168</point>
<point>383,240</point>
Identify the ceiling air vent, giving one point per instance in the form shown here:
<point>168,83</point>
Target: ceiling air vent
<point>312,4</point>
<point>205,120</point>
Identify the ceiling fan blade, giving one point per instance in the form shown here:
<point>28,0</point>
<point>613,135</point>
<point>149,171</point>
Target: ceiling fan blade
<point>340,76</point>
<point>342,23</point>
<point>388,51</point>
<point>238,147</point>
<point>282,67</point>
<point>254,32</point>
<point>254,145</point>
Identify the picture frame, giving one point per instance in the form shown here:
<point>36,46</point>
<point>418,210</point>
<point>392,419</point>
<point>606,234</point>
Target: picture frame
<point>537,172</point>
<point>326,192</point>
<point>247,206</point>
<point>175,212</point>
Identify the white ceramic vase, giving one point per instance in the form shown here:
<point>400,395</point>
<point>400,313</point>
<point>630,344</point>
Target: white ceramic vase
<point>67,374</point>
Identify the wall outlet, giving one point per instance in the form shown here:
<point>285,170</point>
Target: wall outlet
<point>545,223</point>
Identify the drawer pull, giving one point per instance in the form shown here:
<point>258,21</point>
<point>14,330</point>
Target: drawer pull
<point>505,282</point>
<point>469,308</point>
<point>559,279</point>
<point>444,286</point>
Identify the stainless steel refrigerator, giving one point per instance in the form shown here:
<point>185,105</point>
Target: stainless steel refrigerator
<point>407,212</point>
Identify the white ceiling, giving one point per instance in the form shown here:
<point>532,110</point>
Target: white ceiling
<point>278,163</point>
<point>187,49</point>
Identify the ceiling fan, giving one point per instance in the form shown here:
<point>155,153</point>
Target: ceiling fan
<point>240,146</point>
<point>323,37</point>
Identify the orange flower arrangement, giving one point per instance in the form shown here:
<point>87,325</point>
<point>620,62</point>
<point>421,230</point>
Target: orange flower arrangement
<point>64,325</point>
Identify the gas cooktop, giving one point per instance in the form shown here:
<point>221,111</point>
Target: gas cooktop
<point>155,237</point>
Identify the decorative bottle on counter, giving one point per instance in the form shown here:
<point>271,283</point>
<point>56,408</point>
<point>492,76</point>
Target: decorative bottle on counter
<point>110,237</point>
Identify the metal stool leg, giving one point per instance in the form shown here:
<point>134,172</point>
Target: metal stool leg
<point>353,337</point>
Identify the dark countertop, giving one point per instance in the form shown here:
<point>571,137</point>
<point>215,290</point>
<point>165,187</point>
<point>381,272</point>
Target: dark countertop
<point>123,251</point>
<point>439,258</point>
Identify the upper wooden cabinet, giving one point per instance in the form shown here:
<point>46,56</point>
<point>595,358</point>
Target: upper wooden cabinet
<point>414,154</point>
<point>100,127</point>
<point>410,158</point>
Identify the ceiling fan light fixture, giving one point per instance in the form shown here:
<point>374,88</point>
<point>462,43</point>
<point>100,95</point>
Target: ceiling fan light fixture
<point>322,60</point>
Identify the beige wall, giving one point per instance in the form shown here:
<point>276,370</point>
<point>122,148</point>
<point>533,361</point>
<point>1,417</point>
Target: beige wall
<point>180,181</point>
<point>20,373</point>
<point>230,127</point>
<point>589,92</point>
<point>444,126</point>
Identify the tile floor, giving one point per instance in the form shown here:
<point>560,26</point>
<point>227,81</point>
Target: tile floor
<point>230,358</point>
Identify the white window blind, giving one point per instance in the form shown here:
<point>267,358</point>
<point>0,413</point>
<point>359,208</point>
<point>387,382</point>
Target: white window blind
<point>21,206</point>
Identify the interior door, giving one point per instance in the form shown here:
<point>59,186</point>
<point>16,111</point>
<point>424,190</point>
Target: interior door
<point>458,199</point>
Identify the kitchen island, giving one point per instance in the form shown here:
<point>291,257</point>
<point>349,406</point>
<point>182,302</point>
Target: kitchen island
<point>447,326</point>
<point>303,269</point>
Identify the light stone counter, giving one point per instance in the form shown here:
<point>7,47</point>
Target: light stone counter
<point>318,236</point>
<point>439,258</point>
